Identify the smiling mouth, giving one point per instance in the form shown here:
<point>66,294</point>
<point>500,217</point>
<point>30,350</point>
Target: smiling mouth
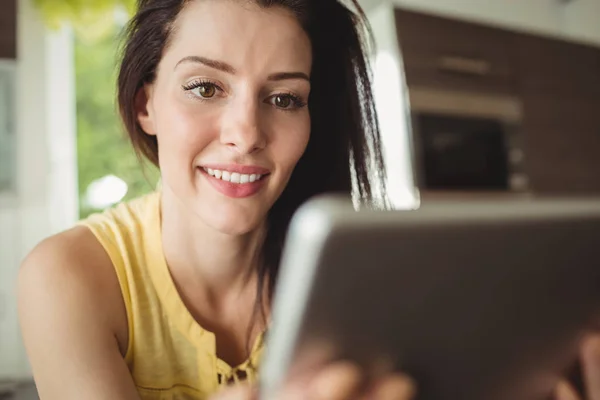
<point>234,177</point>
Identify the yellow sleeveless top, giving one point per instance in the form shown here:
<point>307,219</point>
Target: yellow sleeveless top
<point>170,356</point>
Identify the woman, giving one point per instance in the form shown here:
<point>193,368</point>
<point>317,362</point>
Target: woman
<point>248,108</point>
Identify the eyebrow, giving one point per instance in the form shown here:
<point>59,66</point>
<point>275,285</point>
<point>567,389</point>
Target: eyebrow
<point>220,65</point>
<point>282,76</point>
<point>223,66</point>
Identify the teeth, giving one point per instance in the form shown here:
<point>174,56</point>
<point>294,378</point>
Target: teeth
<point>233,177</point>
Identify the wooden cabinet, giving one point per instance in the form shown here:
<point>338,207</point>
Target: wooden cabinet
<point>557,83</point>
<point>562,142</point>
<point>556,67</point>
<point>8,29</point>
<point>443,53</point>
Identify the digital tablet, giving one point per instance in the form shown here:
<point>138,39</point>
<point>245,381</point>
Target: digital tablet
<point>474,300</point>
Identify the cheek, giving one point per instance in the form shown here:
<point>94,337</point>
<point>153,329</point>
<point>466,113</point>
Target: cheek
<point>291,143</point>
<point>184,130</point>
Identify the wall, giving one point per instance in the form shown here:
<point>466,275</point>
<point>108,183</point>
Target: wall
<point>390,98</point>
<point>582,20</point>
<point>9,358</point>
<point>45,200</point>
<point>576,19</point>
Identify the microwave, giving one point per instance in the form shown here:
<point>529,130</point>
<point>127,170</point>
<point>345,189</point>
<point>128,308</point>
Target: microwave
<point>467,142</point>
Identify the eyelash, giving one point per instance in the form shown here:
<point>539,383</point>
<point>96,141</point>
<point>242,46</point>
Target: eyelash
<point>297,101</point>
<point>198,83</point>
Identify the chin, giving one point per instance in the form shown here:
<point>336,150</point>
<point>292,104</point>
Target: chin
<point>235,229</point>
<point>234,223</point>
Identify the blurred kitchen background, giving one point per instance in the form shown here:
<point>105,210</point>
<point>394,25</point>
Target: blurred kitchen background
<point>503,98</point>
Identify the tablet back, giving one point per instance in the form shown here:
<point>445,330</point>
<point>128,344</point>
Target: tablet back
<point>474,300</point>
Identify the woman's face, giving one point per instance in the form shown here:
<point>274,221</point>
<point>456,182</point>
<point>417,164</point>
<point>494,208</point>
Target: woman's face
<point>229,110</point>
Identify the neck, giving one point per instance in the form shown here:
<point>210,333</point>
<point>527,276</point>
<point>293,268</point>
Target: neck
<point>204,259</point>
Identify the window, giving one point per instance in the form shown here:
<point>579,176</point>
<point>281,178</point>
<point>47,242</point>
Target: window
<point>7,127</point>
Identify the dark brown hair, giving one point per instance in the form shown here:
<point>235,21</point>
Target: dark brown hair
<point>344,145</point>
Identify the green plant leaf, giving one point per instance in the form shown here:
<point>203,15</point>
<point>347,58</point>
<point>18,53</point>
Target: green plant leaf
<point>91,20</point>
<point>102,145</point>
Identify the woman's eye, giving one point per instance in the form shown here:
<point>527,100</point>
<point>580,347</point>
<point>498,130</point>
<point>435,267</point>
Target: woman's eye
<point>205,90</point>
<point>286,102</point>
<point>201,89</point>
<point>282,101</point>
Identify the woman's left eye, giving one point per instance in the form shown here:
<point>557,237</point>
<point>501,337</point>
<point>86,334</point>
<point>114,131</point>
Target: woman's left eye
<point>286,101</point>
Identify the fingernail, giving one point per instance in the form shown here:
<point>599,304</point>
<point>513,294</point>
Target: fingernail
<point>591,350</point>
<point>565,392</point>
<point>338,381</point>
<point>400,388</point>
<point>592,343</point>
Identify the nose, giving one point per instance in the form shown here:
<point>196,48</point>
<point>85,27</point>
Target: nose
<point>240,128</point>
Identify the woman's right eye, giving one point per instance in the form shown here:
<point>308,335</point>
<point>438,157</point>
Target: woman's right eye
<point>202,90</point>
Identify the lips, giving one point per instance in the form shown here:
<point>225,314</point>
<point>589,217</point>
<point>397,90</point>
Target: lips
<point>236,181</point>
<point>238,168</point>
<point>233,177</point>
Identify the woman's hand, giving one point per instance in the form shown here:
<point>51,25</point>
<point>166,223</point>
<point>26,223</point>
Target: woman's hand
<point>590,359</point>
<point>342,381</point>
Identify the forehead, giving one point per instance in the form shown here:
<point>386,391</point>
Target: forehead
<point>242,34</point>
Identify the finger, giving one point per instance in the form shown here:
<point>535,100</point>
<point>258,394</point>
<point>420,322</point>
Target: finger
<point>591,366</point>
<point>339,382</point>
<point>564,391</point>
<point>238,392</point>
<point>396,387</point>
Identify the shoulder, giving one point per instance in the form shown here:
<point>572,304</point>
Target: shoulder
<point>74,255</point>
<point>70,274</point>
<point>73,323</point>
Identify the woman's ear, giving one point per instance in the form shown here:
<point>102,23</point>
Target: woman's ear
<point>144,109</point>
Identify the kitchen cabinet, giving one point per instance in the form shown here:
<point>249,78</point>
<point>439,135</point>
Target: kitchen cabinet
<point>559,83</point>
<point>8,29</point>
<point>557,67</point>
<point>555,82</point>
<point>562,142</point>
<point>443,53</point>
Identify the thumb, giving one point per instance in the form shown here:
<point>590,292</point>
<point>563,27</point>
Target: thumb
<point>237,392</point>
<point>591,363</point>
<point>564,391</point>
